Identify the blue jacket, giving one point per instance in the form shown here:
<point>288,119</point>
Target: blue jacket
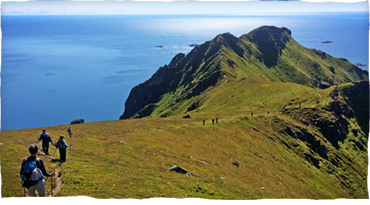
<point>45,137</point>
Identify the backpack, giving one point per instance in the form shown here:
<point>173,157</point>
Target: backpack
<point>31,174</point>
<point>60,144</point>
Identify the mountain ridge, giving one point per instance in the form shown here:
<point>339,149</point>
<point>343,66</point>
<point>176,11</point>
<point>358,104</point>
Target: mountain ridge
<point>266,53</point>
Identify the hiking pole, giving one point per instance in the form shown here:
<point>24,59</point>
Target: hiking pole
<point>24,192</point>
<point>70,148</point>
<point>51,185</point>
<point>55,151</point>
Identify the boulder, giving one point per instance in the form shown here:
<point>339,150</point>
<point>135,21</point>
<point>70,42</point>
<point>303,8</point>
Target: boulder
<point>237,163</point>
<point>180,170</point>
<point>77,121</point>
<point>186,116</point>
<point>324,85</point>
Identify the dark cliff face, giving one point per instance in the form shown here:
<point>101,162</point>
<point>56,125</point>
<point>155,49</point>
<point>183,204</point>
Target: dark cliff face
<point>164,80</point>
<point>267,50</point>
<point>357,97</point>
<point>270,41</point>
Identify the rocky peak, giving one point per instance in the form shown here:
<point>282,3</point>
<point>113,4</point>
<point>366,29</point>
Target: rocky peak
<point>225,38</point>
<point>270,40</point>
<point>228,41</point>
<point>273,32</point>
<point>176,60</point>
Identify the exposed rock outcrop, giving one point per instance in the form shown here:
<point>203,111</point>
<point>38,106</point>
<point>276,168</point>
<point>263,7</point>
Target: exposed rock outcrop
<point>312,141</point>
<point>331,126</point>
<point>78,121</point>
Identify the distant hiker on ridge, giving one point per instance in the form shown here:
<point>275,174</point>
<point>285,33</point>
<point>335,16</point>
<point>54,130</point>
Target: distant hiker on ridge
<point>69,132</point>
<point>62,146</point>
<point>216,120</point>
<point>32,172</point>
<point>213,121</point>
<point>204,122</point>
<point>45,137</point>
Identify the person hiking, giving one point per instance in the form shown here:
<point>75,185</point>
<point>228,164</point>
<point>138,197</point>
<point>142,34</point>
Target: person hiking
<point>69,132</point>
<point>32,172</point>
<point>62,146</point>
<point>45,137</point>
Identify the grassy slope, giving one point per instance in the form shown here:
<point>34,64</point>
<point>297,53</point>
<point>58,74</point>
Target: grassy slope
<point>100,166</point>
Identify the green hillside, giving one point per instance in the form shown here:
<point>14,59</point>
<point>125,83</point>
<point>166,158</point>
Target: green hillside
<point>275,133</point>
<point>283,154</point>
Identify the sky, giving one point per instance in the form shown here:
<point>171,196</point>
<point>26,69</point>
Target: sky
<point>174,7</point>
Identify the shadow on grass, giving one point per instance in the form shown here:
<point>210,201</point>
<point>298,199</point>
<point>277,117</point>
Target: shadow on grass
<point>56,160</point>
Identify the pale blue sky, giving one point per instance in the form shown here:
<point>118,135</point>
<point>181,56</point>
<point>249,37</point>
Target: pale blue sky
<point>184,7</point>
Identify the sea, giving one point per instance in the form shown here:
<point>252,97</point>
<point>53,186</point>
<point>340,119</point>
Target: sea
<point>55,69</point>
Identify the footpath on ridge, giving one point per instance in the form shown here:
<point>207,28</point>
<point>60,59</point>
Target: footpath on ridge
<point>56,179</point>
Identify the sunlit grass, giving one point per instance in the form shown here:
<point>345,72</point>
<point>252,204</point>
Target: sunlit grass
<point>100,166</point>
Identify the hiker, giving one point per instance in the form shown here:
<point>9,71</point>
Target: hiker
<point>213,121</point>
<point>69,132</point>
<point>45,137</point>
<point>32,172</point>
<point>62,146</point>
<point>216,120</point>
<point>252,114</point>
<point>204,122</point>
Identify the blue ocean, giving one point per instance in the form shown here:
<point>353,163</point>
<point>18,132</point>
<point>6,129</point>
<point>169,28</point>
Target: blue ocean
<point>59,68</point>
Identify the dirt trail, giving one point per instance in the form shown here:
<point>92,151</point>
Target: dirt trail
<point>56,178</point>
<point>58,181</point>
